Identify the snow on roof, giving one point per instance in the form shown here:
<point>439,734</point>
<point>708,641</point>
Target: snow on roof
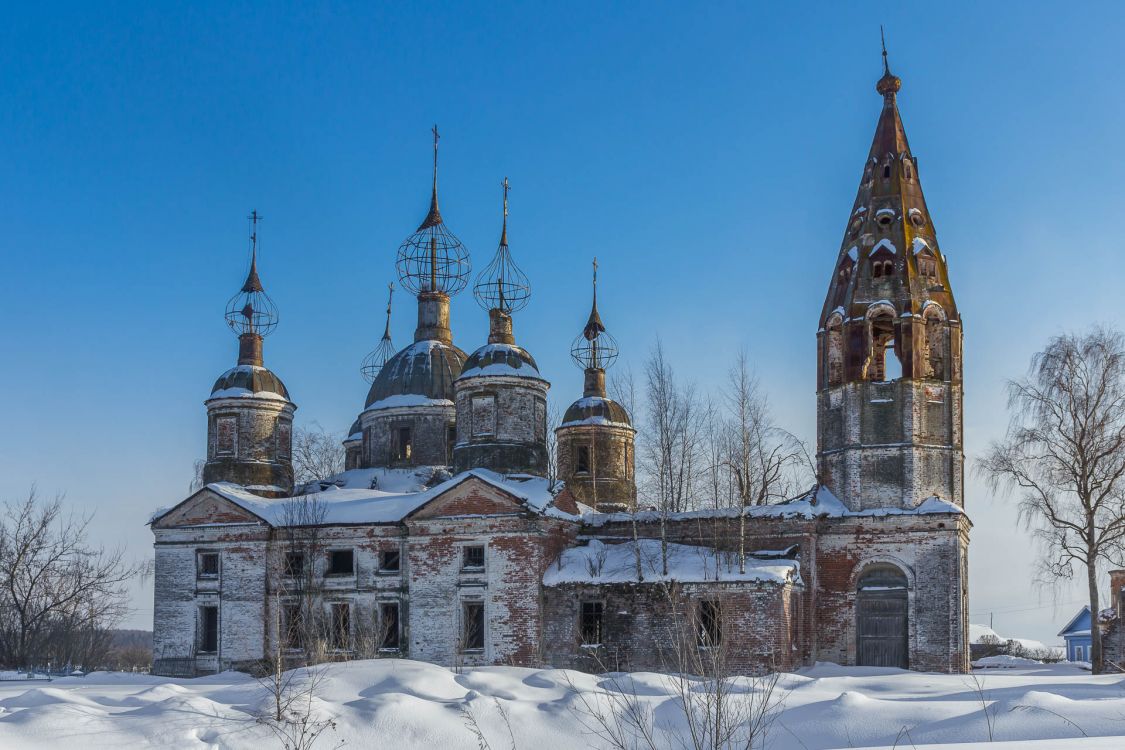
<point>407,399</point>
<point>977,634</point>
<point>919,245</point>
<point>397,498</point>
<point>595,420</point>
<point>883,243</point>
<point>817,503</point>
<point>246,393</point>
<point>597,562</point>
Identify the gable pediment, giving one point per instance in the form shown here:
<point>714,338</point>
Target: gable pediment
<point>205,508</point>
<point>472,497</point>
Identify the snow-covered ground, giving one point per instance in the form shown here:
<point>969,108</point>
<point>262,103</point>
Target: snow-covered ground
<point>404,704</point>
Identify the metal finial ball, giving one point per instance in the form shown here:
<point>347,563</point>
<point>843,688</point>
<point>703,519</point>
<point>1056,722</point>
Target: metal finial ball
<point>502,285</point>
<point>433,260</point>
<point>599,352</point>
<point>251,312</point>
<point>373,362</point>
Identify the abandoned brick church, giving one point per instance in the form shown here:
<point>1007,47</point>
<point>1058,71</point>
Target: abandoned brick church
<point>451,538</point>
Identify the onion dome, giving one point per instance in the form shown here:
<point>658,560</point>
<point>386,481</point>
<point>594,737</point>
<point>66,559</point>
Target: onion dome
<point>433,259</point>
<point>596,410</point>
<point>420,373</point>
<point>500,359</point>
<point>249,381</point>
<point>378,357</point>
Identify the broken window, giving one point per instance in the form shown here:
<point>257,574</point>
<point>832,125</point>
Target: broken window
<point>294,563</point>
<point>845,273</point>
<point>927,264</point>
<point>710,632</point>
<point>390,560</point>
<point>341,562</point>
<point>472,625</point>
<point>207,565</point>
<point>341,632</point>
<point>472,557</point>
<point>591,622</point>
<point>886,170</point>
<point>935,342</point>
<point>582,460</point>
<point>389,627</point>
<point>882,263</point>
<point>208,629</point>
<point>403,444</point>
<point>293,620</point>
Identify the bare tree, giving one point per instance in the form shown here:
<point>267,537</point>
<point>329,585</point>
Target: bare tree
<point>1064,453</point>
<point>58,594</point>
<point>317,454</point>
<point>553,421</point>
<point>292,715</point>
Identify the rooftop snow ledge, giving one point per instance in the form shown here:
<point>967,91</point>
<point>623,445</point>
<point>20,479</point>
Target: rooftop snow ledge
<point>817,503</point>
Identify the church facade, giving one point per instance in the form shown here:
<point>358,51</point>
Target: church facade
<point>455,537</point>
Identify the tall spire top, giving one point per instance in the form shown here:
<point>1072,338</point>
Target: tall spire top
<point>253,283</point>
<point>373,362</point>
<point>433,260</point>
<point>889,84</point>
<point>594,325</point>
<point>504,230</point>
<point>594,348</point>
<point>502,285</point>
<point>433,218</point>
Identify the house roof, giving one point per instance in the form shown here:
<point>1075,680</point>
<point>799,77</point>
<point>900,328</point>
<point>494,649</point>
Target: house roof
<point>345,505</point>
<point>1084,612</point>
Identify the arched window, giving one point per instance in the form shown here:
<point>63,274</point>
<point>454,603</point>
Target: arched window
<point>936,349</point>
<point>887,171</point>
<point>882,363</point>
<point>927,264</point>
<point>845,272</point>
<point>835,346</point>
<point>882,263</point>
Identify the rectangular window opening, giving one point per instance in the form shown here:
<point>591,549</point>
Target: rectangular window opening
<point>341,625</point>
<point>592,622</point>
<point>388,622</point>
<point>294,563</point>
<point>341,562</point>
<point>582,462</point>
<point>207,565</point>
<point>390,560</point>
<point>209,629</point>
<point>472,626</point>
<point>472,557</point>
<point>294,623</point>
<point>404,444</point>
<point>710,624</point>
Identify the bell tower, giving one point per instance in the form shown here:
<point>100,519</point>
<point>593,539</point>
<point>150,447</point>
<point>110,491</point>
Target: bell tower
<point>889,424</point>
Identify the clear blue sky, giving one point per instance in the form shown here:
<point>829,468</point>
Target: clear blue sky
<point>707,155</point>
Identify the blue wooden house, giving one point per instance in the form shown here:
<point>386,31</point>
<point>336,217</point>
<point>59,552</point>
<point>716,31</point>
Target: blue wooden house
<point>1077,636</point>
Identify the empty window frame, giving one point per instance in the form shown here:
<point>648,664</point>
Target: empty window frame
<point>582,460</point>
<point>284,436</point>
<point>388,626</point>
<point>403,447</point>
<point>484,416</point>
<point>209,629</point>
<point>591,622</point>
<point>293,622</point>
<point>294,564</point>
<point>390,561</point>
<point>472,625</point>
<point>341,562</point>
<point>472,557</point>
<point>341,621</point>
<point>710,623</point>
<point>207,564</point>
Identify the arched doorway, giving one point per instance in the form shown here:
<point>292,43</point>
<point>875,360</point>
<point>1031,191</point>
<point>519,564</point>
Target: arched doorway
<point>882,618</point>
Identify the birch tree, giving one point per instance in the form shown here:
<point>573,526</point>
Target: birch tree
<point>1064,455</point>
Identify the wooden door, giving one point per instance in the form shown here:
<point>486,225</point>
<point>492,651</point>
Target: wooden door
<point>882,627</point>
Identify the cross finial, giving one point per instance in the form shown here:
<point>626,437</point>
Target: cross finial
<point>436,139</point>
<point>883,39</point>
<point>254,218</point>
<point>506,187</point>
<point>390,294</point>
